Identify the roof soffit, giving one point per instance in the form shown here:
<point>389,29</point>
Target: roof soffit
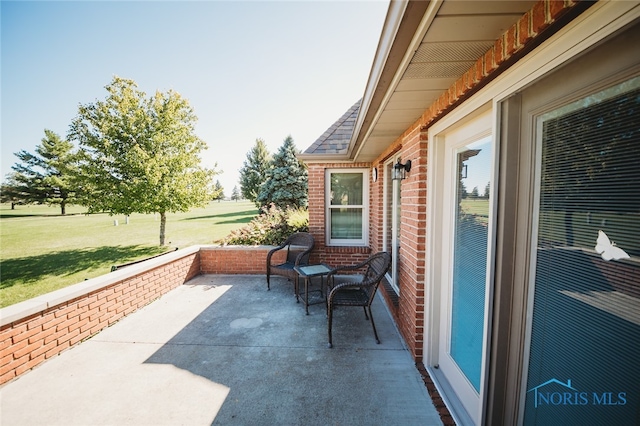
<point>428,53</point>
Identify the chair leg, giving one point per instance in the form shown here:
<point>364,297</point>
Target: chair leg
<point>268,283</point>
<point>375,333</point>
<point>365,313</point>
<point>330,312</point>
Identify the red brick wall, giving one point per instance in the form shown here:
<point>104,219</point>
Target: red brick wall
<point>408,307</point>
<point>28,342</point>
<point>413,235</point>
<point>237,259</point>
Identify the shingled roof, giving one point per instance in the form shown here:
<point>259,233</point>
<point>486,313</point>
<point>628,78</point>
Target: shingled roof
<point>335,140</point>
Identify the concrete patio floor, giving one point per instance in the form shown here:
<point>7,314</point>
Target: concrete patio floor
<point>221,350</point>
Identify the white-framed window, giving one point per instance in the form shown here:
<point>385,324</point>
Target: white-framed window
<point>346,201</point>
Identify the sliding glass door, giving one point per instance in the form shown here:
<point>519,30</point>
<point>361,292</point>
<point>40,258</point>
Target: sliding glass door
<point>585,331</point>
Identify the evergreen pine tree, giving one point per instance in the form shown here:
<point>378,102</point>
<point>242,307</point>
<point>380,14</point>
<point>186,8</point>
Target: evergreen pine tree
<point>235,194</point>
<point>46,177</point>
<point>12,192</point>
<point>286,182</point>
<point>254,170</point>
<point>218,191</point>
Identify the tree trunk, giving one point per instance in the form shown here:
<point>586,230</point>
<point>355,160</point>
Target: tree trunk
<point>163,223</point>
<point>63,208</point>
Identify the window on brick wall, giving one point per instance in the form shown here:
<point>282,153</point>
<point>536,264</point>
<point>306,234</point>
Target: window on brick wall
<point>347,195</point>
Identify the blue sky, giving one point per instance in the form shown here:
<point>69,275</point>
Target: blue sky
<point>261,69</point>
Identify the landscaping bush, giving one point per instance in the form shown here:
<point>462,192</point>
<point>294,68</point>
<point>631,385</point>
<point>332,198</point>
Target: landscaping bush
<point>271,227</point>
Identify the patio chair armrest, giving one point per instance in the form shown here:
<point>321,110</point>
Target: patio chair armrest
<point>366,286</point>
<point>331,275</point>
<point>273,251</point>
<point>364,283</point>
<point>344,286</point>
<point>300,257</point>
<point>334,271</point>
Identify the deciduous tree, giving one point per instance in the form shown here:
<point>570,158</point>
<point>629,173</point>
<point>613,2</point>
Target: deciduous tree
<point>140,154</point>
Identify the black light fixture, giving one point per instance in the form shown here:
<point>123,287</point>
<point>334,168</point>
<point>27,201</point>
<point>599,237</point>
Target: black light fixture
<point>400,170</point>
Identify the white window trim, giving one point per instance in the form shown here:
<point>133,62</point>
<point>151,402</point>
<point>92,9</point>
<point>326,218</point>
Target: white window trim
<point>364,241</point>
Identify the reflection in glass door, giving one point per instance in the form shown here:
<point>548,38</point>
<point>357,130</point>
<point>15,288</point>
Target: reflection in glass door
<point>464,265</point>
<point>470,242</point>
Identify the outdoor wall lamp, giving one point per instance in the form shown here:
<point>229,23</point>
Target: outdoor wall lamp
<point>400,170</point>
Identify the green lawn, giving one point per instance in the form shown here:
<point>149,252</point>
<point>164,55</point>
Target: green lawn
<point>478,207</point>
<point>42,251</point>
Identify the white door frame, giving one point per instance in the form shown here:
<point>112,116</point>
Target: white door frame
<point>459,393</point>
<point>391,212</point>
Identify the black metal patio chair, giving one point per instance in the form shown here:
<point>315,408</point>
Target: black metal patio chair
<point>345,291</point>
<point>298,247</point>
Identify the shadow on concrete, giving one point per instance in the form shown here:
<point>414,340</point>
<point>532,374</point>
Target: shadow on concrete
<point>274,361</point>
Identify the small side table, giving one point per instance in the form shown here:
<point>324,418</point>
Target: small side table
<point>307,272</point>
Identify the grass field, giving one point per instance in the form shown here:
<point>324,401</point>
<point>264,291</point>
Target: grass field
<point>478,207</point>
<point>41,251</point>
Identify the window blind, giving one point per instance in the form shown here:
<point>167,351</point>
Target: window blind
<point>584,365</point>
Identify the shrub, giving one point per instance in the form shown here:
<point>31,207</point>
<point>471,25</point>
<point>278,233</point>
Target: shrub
<point>271,227</point>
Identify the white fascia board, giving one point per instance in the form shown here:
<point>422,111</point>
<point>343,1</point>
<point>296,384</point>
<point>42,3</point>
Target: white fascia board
<point>392,23</point>
<point>389,30</point>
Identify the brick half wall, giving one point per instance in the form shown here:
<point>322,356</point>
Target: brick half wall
<point>35,330</point>
<point>237,259</point>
